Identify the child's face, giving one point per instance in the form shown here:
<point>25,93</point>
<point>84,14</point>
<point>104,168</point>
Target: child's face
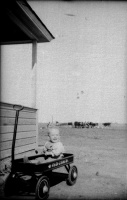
<point>54,135</point>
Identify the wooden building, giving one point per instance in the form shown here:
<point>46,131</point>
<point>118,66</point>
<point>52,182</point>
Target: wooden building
<point>20,25</point>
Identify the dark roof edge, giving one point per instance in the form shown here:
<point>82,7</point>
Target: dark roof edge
<point>38,18</point>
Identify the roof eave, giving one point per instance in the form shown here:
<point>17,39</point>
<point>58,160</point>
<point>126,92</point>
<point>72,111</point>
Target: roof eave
<point>40,28</point>
<point>26,20</point>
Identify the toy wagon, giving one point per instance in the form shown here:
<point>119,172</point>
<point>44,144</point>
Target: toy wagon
<point>35,176</point>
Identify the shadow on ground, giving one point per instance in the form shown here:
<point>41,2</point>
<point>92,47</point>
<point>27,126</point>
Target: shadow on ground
<point>26,192</point>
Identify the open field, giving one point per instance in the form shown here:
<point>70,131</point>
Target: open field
<point>101,159</point>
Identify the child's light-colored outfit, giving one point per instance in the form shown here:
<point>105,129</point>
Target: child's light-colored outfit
<point>57,149</point>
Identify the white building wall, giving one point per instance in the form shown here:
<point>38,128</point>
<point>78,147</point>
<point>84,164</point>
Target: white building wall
<point>16,74</point>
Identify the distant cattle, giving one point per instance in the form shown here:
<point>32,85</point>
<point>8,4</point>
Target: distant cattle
<point>92,125</point>
<point>85,124</point>
<point>78,124</point>
<point>107,124</point>
<point>70,124</point>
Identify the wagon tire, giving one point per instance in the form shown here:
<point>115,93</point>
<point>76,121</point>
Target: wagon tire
<point>9,186</point>
<point>42,188</point>
<point>72,176</point>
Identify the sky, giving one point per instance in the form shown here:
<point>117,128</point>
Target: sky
<point>82,72</point>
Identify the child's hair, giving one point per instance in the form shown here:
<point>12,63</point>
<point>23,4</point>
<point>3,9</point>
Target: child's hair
<point>52,128</point>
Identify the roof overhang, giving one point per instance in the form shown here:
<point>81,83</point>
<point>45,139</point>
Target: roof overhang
<point>20,24</point>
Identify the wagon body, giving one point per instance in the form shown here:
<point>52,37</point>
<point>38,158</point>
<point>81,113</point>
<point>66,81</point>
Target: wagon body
<point>30,168</point>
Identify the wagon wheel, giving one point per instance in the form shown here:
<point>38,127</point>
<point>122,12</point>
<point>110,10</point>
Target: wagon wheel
<point>72,176</point>
<point>42,188</point>
<point>9,185</point>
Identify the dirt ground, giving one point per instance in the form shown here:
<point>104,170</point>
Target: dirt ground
<point>100,155</point>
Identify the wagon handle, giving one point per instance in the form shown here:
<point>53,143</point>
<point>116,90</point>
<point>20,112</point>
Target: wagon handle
<point>17,108</point>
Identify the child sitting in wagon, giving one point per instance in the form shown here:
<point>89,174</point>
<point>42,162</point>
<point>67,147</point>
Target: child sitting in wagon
<point>53,149</point>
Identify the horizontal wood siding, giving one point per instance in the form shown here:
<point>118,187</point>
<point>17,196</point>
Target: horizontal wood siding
<point>11,113</point>
<point>20,128</point>
<point>26,131</point>
<point>20,143</point>
<point>9,136</point>
<point>4,121</point>
<point>18,150</point>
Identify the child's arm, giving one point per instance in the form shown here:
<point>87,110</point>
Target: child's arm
<point>44,150</point>
<point>49,153</point>
<point>59,149</point>
<point>47,150</point>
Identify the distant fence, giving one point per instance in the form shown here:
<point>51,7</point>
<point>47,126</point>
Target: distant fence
<point>26,131</point>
